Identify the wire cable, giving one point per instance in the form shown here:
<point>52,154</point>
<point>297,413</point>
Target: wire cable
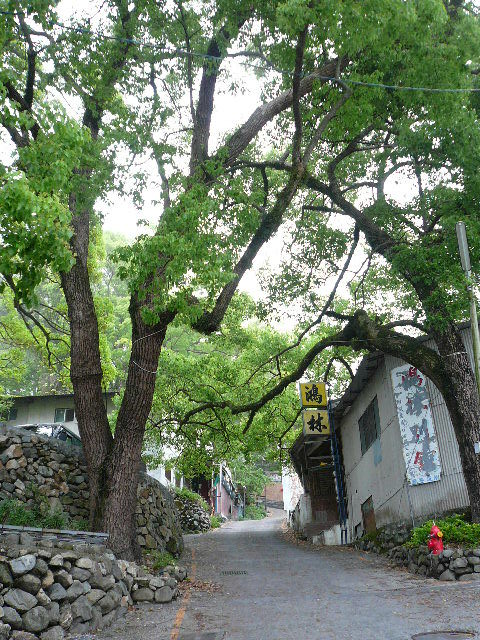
<point>183,53</point>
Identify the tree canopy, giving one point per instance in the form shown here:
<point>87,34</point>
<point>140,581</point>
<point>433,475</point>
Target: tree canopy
<point>353,97</point>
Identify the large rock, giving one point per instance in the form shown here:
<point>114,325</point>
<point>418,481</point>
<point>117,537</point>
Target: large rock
<point>56,592</point>
<point>458,563</point>
<point>22,565</point>
<point>164,594</point>
<point>95,595</point>
<point>29,582</point>
<point>107,603</point>
<point>143,595</point>
<point>20,600</point>
<point>82,609</point>
<point>64,578</point>
<point>35,620</point>
<point>85,563</point>
<point>5,575</point>
<point>447,576</point>
<point>4,631</point>
<point>54,633</point>
<point>12,617</point>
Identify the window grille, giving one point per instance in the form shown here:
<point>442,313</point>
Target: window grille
<point>369,426</point>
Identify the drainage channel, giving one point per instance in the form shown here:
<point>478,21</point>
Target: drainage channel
<point>444,635</point>
<point>234,573</point>
<point>202,636</point>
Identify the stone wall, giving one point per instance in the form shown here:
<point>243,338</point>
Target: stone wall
<point>450,565</point>
<point>50,589</point>
<point>32,466</point>
<point>193,517</point>
<point>453,564</point>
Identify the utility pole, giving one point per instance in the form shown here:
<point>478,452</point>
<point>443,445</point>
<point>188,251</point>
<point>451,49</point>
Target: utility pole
<point>465,260</point>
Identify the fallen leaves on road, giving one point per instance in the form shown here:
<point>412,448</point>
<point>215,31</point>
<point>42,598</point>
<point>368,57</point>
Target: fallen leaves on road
<point>198,585</point>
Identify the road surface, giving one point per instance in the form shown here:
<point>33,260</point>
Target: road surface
<point>250,582</point>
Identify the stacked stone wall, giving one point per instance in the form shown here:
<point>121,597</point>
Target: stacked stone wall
<point>452,564</point>
<point>32,466</point>
<point>49,589</point>
<point>193,516</point>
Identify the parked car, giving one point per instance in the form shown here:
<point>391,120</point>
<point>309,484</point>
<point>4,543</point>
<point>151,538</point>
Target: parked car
<point>54,430</point>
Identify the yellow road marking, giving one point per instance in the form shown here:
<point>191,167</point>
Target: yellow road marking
<point>183,609</point>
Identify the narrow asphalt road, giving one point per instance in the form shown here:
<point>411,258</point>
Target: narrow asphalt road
<point>251,583</point>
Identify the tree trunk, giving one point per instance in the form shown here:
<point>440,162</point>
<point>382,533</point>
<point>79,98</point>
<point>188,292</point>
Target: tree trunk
<point>85,367</point>
<point>123,472</point>
<point>461,397</point>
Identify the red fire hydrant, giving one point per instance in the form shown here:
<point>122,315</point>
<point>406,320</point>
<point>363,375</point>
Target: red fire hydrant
<point>435,542</point>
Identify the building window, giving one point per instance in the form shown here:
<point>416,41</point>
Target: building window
<point>177,479</point>
<point>369,426</point>
<point>12,413</point>
<point>64,415</point>
<point>168,473</point>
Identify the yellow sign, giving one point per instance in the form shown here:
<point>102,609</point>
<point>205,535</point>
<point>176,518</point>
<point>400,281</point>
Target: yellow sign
<point>313,394</point>
<point>316,422</point>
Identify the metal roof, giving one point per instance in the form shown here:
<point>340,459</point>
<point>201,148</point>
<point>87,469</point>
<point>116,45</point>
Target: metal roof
<point>366,369</point>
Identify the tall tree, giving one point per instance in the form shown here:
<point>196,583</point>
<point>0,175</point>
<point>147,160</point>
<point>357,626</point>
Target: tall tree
<point>144,80</point>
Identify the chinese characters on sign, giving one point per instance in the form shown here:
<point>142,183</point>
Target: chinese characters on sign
<point>316,422</point>
<point>420,448</point>
<point>313,394</point>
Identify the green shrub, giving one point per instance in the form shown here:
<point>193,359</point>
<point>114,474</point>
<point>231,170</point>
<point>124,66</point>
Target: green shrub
<point>187,494</point>
<point>215,522</point>
<point>15,513</point>
<point>254,512</point>
<point>455,530</point>
<point>41,516</point>
<point>162,559</point>
<point>79,525</point>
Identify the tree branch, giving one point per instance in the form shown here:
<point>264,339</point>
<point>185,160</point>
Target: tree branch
<point>297,114</point>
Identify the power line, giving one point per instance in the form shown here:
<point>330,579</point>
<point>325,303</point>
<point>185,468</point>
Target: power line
<point>183,53</point>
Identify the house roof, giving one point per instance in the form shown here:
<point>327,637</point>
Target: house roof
<point>366,369</point>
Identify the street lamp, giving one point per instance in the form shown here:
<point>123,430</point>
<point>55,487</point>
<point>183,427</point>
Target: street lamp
<point>466,266</point>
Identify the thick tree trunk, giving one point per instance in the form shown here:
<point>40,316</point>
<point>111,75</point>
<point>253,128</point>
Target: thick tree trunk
<point>461,397</point>
<point>125,460</point>
<point>86,369</point>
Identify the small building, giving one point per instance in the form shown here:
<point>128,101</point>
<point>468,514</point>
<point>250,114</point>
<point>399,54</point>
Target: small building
<point>59,409</point>
<point>226,499</point>
<point>47,409</point>
<point>398,452</point>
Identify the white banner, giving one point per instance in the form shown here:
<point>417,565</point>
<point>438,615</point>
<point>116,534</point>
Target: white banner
<point>420,448</point>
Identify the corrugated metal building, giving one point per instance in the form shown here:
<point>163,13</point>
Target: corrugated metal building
<point>376,485</point>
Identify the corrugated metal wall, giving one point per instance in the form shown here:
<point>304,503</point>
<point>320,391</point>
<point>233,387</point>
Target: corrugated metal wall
<point>450,491</point>
<point>381,473</point>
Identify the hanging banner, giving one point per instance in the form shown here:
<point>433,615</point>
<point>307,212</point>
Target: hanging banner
<point>420,448</point>
<point>315,422</point>
<point>313,394</point>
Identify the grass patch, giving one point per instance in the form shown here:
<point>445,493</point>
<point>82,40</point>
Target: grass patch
<point>455,529</point>
<point>162,559</point>
<point>253,512</point>
<point>41,516</point>
<point>215,522</point>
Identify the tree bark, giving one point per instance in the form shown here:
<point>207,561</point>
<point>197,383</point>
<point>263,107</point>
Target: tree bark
<point>460,393</point>
<point>124,463</point>
<point>85,368</point>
